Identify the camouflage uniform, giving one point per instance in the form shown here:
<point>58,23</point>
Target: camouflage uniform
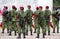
<point>36,18</point>
<point>41,22</point>
<point>55,21</point>
<point>5,12</point>
<point>29,19</point>
<point>13,21</point>
<point>47,18</point>
<point>9,20</point>
<point>21,16</point>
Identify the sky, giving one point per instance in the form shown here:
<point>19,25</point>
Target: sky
<point>18,3</point>
<point>24,3</point>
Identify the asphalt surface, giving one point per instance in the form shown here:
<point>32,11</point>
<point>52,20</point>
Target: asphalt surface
<point>52,36</point>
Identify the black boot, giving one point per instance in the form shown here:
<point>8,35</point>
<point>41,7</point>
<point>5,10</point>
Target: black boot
<point>10,34</point>
<point>19,35</point>
<point>2,30</point>
<point>37,36</point>
<point>35,31</point>
<point>24,35</point>
<point>27,32</point>
<point>43,35</point>
<point>7,30</point>
<point>54,30</point>
<point>15,33</point>
<point>48,32</point>
<point>31,33</point>
<point>57,29</point>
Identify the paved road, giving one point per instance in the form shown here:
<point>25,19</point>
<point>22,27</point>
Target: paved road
<point>52,36</point>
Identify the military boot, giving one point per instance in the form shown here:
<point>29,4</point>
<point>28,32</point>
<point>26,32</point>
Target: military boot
<point>7,30</point>
<point>15,33</point>
<point>27,32</point>
<point>31,33</point>
<point>10,34</point>
<point>35,31</point>
<point>43,35</point>
<point>53,30</point>
<point>48,32</point>
<point>2,30</point>
<point>37,36</point>
<point>24,35</point>
<point>19,35</point>
<point>57,29</point>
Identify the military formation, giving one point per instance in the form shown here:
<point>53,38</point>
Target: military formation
<point>20,21</point>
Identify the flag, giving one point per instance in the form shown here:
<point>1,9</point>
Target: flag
<point>51,23</point>
<point>33,20</point>
<point>0,18</point>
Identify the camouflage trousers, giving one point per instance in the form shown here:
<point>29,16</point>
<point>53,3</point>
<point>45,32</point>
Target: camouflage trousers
<point>21,29</point>
<point>5,24</point>
<point>55,24</point>
<point>47,27</point>
<point>38,29</point>
<point>29,26</point>
<point>13,27</point>
<point>42,27</point>
<point>36,24</point>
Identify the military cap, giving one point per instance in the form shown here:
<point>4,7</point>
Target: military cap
<point>47,7</point>
<point>40,7</point>
<point>21,8</point>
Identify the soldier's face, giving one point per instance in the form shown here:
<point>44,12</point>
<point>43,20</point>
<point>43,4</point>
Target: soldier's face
<point>21,10</point>
<point>40,8</point>
<point>29,8</point>
<point>47,9</point>
<point>4,9</point>
<point>13,9</point>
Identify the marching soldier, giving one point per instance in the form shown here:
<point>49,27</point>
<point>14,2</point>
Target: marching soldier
<point>21,17</point>
<point>41,16</point>
<point>55,20</point>
<point>5,12</point>
<point>36,18</point>
<point>13,21</point>
<point>8,20</point>
<point>41,22</point>
<point>29,19</point>
<point>47,18</point>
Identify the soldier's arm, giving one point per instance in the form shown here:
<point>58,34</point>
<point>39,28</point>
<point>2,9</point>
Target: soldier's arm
<point>26,14</point>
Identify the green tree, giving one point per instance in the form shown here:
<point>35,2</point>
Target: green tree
<point>56,2</point>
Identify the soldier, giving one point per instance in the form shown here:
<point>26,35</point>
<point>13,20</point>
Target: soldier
<point>55,20</point>
<point>29,19</point>
<point>41,22</point>
<point>13,21</point>
<point>47,18</point>
<point>36,18</point>
<point>21,20</point>
<point>9,18</point>
<point>5,12</point>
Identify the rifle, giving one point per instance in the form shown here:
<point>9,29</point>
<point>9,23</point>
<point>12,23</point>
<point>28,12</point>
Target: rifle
<point>9,17</point>
<point>39,18</point>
